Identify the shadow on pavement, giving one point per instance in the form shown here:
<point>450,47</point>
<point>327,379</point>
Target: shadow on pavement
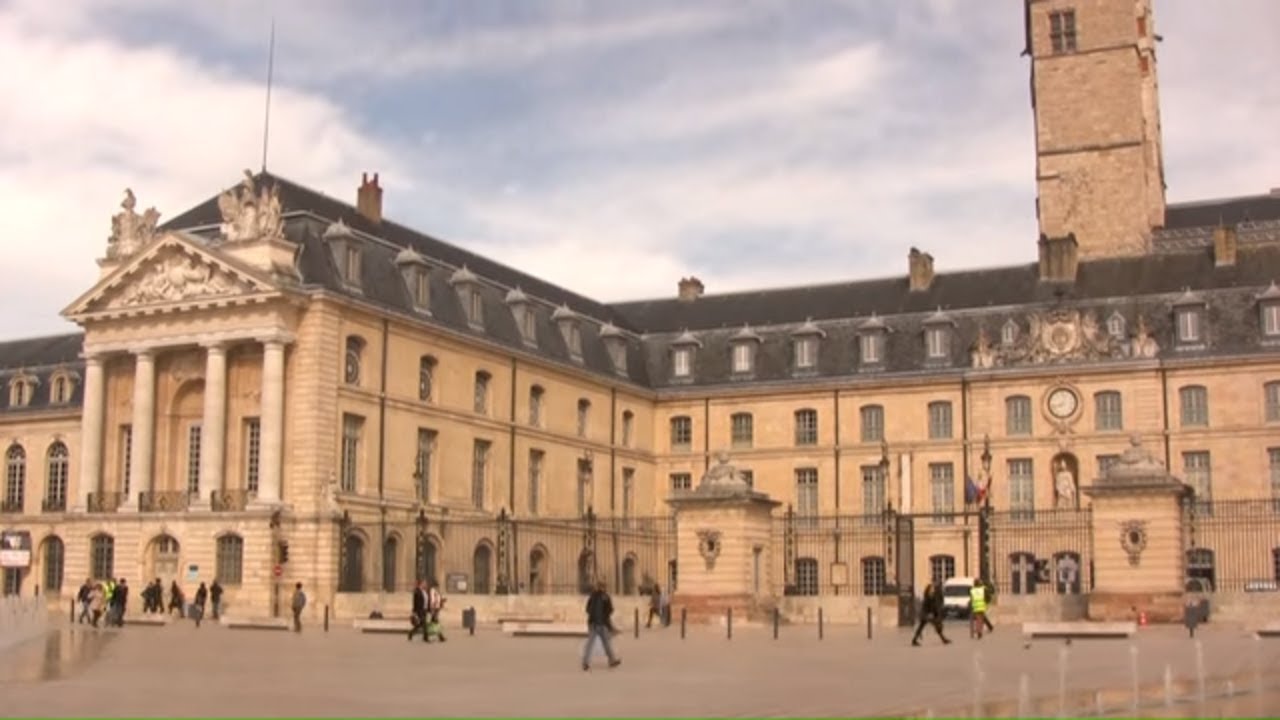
<point>60,653</point>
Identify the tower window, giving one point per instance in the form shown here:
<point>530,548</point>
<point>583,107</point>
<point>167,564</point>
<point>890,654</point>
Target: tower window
<point>1062,31</point>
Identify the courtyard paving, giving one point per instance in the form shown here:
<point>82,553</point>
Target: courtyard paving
<point>180,670</point>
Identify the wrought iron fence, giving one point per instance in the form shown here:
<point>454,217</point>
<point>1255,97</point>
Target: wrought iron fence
<point>1051,551</point>
<point>1232,545</point>
<point>831,555</point>
<point>506,555</point>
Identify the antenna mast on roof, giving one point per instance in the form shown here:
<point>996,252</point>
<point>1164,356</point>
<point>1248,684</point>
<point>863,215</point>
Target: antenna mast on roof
<point>266,121</point>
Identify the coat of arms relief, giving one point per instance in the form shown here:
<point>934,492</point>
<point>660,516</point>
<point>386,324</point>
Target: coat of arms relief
<point>1061,336</point>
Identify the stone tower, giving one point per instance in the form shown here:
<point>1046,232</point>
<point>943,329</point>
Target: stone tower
<point>1099,166</point>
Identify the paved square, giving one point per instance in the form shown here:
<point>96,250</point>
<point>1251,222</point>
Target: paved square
<point>183,671</point>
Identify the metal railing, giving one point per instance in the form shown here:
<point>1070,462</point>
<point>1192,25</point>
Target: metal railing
<point>163,500</point>
<point>53,504</point>
<point>229,500</point>
<point>1232,545</point>
<point>106,502</point>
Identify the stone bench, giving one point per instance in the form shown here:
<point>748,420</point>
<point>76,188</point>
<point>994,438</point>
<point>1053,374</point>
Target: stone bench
<point>383,625</point>
<point>256,623</point>
<point>1079,630</point>
<point>545,629</point>
<point>1270,630</point>
<point>504,621</point>
<point>148,620</point>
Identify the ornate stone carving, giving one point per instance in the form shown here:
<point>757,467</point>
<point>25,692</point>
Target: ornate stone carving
<point>1055,336</point>
<point>1136,466</point>
<point>250,213</point>
<point>1133,538</point>
<point>1143,345</point>
<point>178,277</point>
<point>130,231</point>
<point>709,546</point>
<point>723,474</point>
<point>983,354</point>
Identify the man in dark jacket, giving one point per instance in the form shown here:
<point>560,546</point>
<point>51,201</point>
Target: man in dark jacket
<point>120,602</point>
<point>931,609</point>
<point>418,618</point>
<point>215,597</point>
<point>599,625</point>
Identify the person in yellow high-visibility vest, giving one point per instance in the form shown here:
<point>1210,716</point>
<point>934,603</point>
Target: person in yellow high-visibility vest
<point>977,608</point>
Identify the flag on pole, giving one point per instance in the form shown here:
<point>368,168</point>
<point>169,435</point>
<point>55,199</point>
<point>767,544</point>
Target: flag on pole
<point>973,494</point>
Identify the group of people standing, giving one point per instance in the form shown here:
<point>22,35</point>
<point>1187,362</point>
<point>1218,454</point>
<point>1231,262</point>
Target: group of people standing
<point>933,610</point>
<point>425,618</point>
<point>153,600</point>
<point>105,601</point>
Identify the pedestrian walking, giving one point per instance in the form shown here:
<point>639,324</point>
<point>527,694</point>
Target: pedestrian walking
<point>435,603</point>
<point>299,602</point>
<point>418,616</point>
<point>977,609</point>
<point>988,593</point>
<point>931,608</point>
<point>84,596</point>
<point>599,626</point>
<point>197,607</point>
<point>119,602</point>
<point>655,606</point>
<point>176,600</point>
<point>215,597</point>
<point>97,602</point>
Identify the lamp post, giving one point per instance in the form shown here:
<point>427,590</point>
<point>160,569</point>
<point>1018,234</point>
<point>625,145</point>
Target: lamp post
<point>986,469</point>
<point>421,522</point>
<point>984,514</point>
<point>344,530</point>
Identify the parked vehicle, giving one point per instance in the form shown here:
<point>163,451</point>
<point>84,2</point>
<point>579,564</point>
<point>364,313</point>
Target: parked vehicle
<point>955,597</point>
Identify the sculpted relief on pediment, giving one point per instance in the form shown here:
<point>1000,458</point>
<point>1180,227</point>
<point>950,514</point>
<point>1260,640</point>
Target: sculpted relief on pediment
<point>177,277</point>
<point>1060,336</point>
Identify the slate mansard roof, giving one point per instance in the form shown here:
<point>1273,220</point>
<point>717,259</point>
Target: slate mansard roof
<point>41,358</point>
<point>1145,286</point>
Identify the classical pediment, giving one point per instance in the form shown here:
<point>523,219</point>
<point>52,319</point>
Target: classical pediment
<point>175,272</point>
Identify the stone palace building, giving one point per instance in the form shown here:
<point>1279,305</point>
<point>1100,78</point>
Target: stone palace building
<point>277,386</point>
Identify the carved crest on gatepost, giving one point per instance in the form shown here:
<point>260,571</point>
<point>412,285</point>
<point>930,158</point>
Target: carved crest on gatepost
<point>709,546</point>
<point>1133,538</point>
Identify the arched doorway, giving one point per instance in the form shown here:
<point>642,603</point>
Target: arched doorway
<point>427,562</point>
<point>352,579</point>
<point>538,571</point>
<point>163,557</point>
<point>629,575</point>
<point>482,569</point>
<point>1066,481</point>
<point>390,550</point>
<point>586,572</point>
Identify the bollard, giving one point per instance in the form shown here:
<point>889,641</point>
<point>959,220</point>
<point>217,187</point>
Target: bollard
<point>683,614</point>
<point>471,626</point>
<point>819,623</point>
<point>637,618</point>
<point>775,623</point>
<point>868,623</point>
<point>730,623</point>
<point>73,611</point>
<point>326,618</point>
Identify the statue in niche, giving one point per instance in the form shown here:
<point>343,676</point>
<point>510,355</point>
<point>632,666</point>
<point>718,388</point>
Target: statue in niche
<point>130,232</point>
<point>1064,485</point>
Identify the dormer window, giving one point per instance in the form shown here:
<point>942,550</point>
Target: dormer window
<point>414,271</point>
<point>682,355</point>
<point>937,337</point>
<point>1189,319</point>
<point>1116,326</point>
<point>743,346</point>
<point>871,342</point>
<point>804,346</point>
<point>21,390</point>
<point>346,252</point>
<point>61,386</point>
<point>616,344</point>
<point>570,330</point>
<point>1009,333</point>
<point>523,312</point>
<point>468,287</point>
<point>1269,310</point>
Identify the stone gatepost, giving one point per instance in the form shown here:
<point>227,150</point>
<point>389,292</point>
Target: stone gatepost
<point>1138,540</point>
<point>723,547</point>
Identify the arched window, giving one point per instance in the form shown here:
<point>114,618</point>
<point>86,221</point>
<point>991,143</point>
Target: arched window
<point>1022,573</point>
<point>538,580</point>
<point>390,552</point>
<point>55,492</point>
<point>15,479</point>
<point>60,389</point>
<point>428,551</point>
<point>806,576</point>
<point>941,569</point>
<point>536,395</point>
<point>102,557</point>
<point>1009,332</point>
<point>426,375</point>
<point>352,578</point>
<point>228,569</point>
<point>628,423</point>
<point>584,416</point>
<point>355,351</point>
<point>482,570</point>
<point>629,575</point>
<point>53,560</point>
<point>586,572</point>
<point>873,576</point>
<point>482,392</point>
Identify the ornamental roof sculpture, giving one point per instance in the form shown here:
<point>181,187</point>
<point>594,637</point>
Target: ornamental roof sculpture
<point>130,232</point>
<point>250,213</point>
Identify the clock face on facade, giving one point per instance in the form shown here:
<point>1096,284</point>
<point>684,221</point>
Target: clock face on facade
<point>1063,403</point>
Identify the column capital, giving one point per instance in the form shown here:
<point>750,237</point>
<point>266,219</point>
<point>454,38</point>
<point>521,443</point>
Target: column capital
<point>93,357</point>
<point>215,346</point>
<point>143,351</point>
<point>278,337</point>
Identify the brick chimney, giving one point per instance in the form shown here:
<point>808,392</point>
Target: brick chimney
<point>1059,258</point>
<point>1224,246</point>
<point>690,289</point>
<point>919,270</point>
<point>369,199</point>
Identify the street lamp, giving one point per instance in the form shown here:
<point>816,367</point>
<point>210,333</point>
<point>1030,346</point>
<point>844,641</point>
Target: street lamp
<point>421,523</point>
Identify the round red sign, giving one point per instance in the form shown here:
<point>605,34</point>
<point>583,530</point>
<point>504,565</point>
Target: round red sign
<point>279,571</point>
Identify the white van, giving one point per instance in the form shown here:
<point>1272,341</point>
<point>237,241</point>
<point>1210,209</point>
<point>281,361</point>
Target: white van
<point>955,597</point>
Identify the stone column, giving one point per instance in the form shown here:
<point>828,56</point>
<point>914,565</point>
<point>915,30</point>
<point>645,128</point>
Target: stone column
<point>272,449</point>
<point>144,418</point>
<point>91,433</point>
<point>213,424</point>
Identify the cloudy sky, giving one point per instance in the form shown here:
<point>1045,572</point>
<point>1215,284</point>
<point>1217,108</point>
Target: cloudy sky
<point>608,146</point>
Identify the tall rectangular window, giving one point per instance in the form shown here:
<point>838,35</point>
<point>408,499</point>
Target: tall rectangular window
<point>479,473</point>
<point>628,492</point>
<point>681,481</point>
<point>585,480</point>
<point>1017,415</point>
<point>742,357</point>
<point>1197,472</point>
<point>536,458</point>
<point>873,481</point>
<point>1273,457</point>
<point>681,433</point>
<point>872,423</point>
<point>939,420</point>
<point>1190,322</point>
<point>423,464</point>
<point>252,453</point>
<point>126,456</point>
<point>937,341</point>
<point>1022,489</point>
<point>742,429</point>
<point>807,427</point>
<point>536,394</point>
<point>193,459</point>
<point>807,493</point>
<point>871,348</point>
<point>682,362</point>
<point>1271,400</point>
<point>1062,31</point>
<point>806,353</point>
<point>1271,319</point>
<point>1194,400</point>
<point>352,428</point>
<point>1108,411</point>
<point>628,425</point>
<point>942,486</point>
<point>584,416</point>
<point>482,393</point>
